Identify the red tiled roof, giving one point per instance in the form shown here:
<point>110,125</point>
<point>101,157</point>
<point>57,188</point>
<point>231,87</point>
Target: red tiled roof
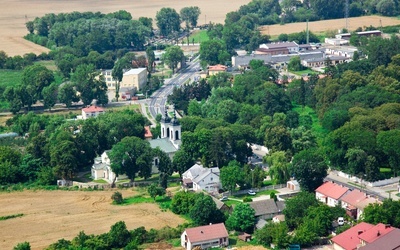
<point>92,109</point>
<point>388,241</point>
<point>332,190</point>
<point>147,132</point>
<point>204,233</point>
<point>218,67</point>
<point>376,232</point>
<point>354,197</point>
<point>349,240</point>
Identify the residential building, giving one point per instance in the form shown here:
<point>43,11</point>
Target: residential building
<point>363,234</point>
<point>364,203</point>
<point>110,81</point>
<point>215,69</point>
<point>101,169</point>
<point>293,185</point>
<point>272,52</point>
<point>222,206</point>
<point>292,47</point>
<point>267,209</point>
<point>92,111</point>
<point>330,193</point>
<point>134,78</point>
<point>389,241</point>
<point>214,235</point>
<point>199,178</point>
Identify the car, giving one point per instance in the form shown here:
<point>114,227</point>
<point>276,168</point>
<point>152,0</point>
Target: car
<point>251,192</point>
<point>224,198</point>
<point>340,221</point>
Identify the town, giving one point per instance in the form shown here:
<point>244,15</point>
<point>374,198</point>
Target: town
<point>168,131</point>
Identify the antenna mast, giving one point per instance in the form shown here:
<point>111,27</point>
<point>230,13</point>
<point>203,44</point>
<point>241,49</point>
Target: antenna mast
<point>346,14</point>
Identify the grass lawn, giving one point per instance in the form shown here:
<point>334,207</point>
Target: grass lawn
<point>264,192</point>
<point>10,77</point>
<point>199,36</point>
<point>235,242</point>
<point>232,202</point>
<point>302,72</point>
<point>49,64</point>
<point>316,128</point>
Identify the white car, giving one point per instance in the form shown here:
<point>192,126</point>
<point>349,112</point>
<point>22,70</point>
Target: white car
<point>224,198</point>
<point>251,192</point>
<point>340,221</point>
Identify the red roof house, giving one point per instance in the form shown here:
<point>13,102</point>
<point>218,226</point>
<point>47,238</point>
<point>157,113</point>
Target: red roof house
<point>350,201</point>
<point>214,235</point>
<point>330,193</point>
<point>215,69</point>
<point>147,133</point>
<point>389,241</point>
<point>92,111</point>
<point>349,240</point>
<point>375,233</point>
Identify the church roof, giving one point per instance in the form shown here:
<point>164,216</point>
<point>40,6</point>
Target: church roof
<point>164,144</point>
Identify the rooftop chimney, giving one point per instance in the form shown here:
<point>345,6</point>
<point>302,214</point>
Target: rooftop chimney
<point>359,232</point>
<point>378,234</point>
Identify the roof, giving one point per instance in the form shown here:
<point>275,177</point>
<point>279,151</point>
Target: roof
<point>217,202</point>
<point>205,173</point>
<point>92,109</point>
<point>280,217</point>
<point>376,232</point>
<point>218,67</point>
<point>263,207</point>
<point>332,190</point>
<point>194,171</point>
<point>206,233</point>
<point>388,241</point>
<point>280,45</point>
<point>362,204</point>
<point>134,71</point>
<point>349,240</point>
<point>147,132</point>
<point>354,197</point>
<point>261,223</point>
<point>272,49</point>
<point>98,166</point>
<point>164,144</point>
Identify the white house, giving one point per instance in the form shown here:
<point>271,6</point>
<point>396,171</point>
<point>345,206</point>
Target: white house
<point>198,178</point>
<point>101,169</point>
<point>92,111</point>
<point>214,235</point>
<point>330,193</point>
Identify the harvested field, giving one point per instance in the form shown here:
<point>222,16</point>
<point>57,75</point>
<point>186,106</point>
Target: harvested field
<point>52,215</point>
<point>14,14</point>
<point>335,24</point>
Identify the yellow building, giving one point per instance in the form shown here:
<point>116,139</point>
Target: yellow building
<point>134,78</point>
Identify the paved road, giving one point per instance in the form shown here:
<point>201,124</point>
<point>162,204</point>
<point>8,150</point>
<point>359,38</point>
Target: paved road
<point>158,100</point>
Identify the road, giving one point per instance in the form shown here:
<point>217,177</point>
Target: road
<point>158,100</point>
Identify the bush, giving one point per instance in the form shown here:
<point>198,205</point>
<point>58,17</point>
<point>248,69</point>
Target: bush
<point>247,199</point>
<point>117,198</point>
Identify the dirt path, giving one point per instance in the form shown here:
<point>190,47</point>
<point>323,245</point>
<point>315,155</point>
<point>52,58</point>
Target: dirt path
<point>52,215</point>
<point>15,13</point>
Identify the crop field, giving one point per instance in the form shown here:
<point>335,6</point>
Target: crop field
<point>15,13</point>
<point>335,24</point>
<point>51,215</point>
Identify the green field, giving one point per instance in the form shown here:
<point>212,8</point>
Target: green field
<point>199,36</point>
<point>317,128</point>
<point>10,77</point>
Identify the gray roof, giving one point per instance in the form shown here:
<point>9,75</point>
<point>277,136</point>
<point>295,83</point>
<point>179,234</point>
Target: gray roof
<point>217,202</point>
<point>281,45</point>
<point>99,166</point>
<point>261,223</point>
<point>264,207</point>
<point>134,71</point>
<point>164,144</point>
<point>280,205</point>
<point>205,172</point>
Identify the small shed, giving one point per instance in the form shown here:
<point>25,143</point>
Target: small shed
<point>293,185</point>
<point>64,183</point>
<point>244,237</point>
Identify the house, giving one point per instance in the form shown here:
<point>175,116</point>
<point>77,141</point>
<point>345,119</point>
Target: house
<point>389,241</point>
<point>198,178</point>
<point>214,235</point>
<point>222,206</point>
<point>215,69</point>
<point>292,47</point>
<point>363,204</point>
<point>92,111</point>
<point>293,185</point>
<point>267,209</point>
<point>330,193</point>
<point>278,218</point>
<point>134,78</point>
<point>360,235</point>
<point>110,81</point>
<point>272,51</point>
<point>101,169</point>
<point>147,133</point>
<point>355,201</point>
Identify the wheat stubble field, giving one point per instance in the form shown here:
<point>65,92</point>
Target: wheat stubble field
<point>14,14</point>
<point>52,215</point>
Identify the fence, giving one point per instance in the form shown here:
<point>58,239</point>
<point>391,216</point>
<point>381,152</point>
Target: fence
<point>370,184</point>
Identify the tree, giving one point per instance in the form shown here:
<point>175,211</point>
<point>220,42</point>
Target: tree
<point>309,168</point>
<point>204,211</point>
<point>213,52</point>
<point>231,175</point>
<point>190,15</point>
<point>173,56</point>
<point>23,246</point>
<point>168,21</point>
<point>117,198</point>
<point>182,161</point>
<point>242,218</point>
<point>155,191</point>
<point>151,58</point>
<point>389,143</point>
<point>273,233</point>
<point>295,64</point>
<point>90,84</point>
<point>49,94</point>
<point>118,236</point>
<point>36,77</point>
<point>278,167</point>
<point>296,208</point>
<point>118,72</point>
<point>64,158</point>
<point>182,202</point>
<point>131,156</point>
<point>67,94</point>
<point>164,165</point>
